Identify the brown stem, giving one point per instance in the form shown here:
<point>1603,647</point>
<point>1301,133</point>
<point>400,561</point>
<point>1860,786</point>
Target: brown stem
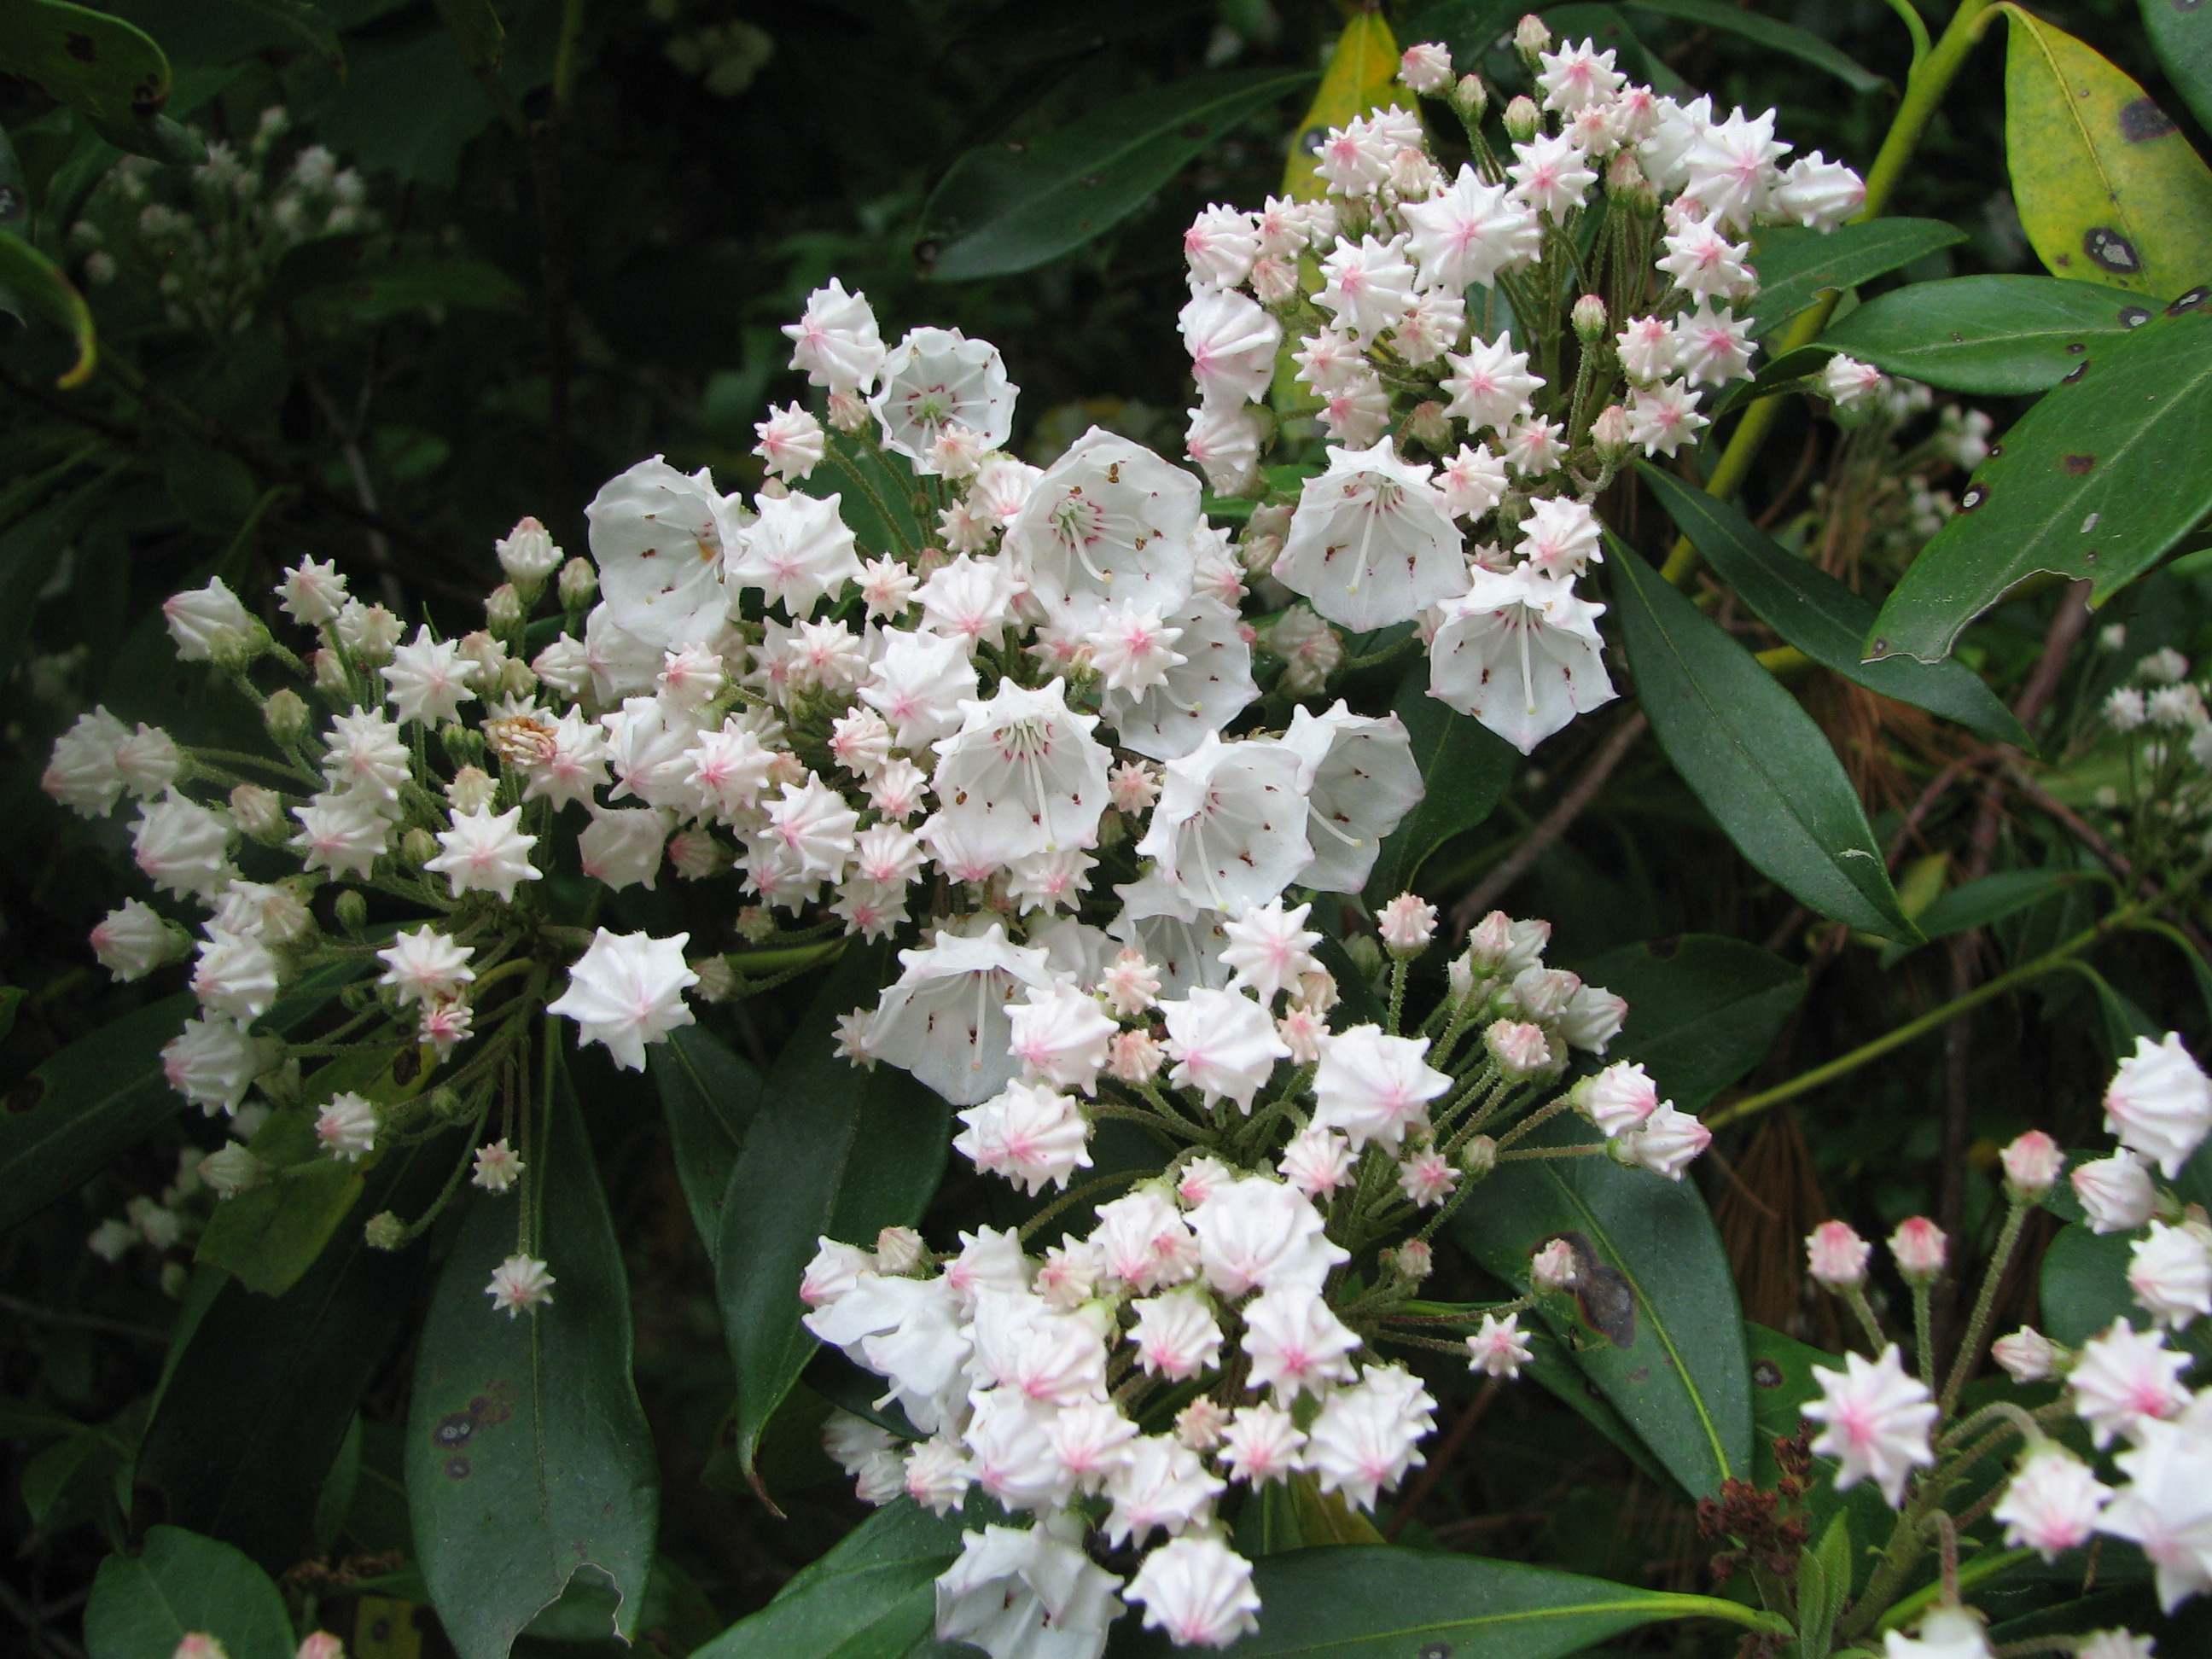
<point>1444,1455</point>
<point>1546,832</point>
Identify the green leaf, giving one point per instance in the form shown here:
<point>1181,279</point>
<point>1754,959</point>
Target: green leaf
<point>1785,38</point>
<point>530,1465</point>
<point>1378,1602</point>
<point>871,1595</point>
<point>262,1392</point>
<point>143,1605</point>
<point>1824,1580</point>
<point>155,136</point>
<point>1702,1010</point>
<point>2182,37</point>
<point>32,551</point>
<point>2085,1288</point>
<point>14,189</point>
<point>710,1097</point>
<point>1994,335</point>
<point>1361,74</point>
<point>2098,480</point>
<point>1465,769</point>
<point>92,62</point>
<point>832,1153</point>
<point>1989,898</point>
<point>1822,617</point>
<point>2108,188</point>
<point>477,27</point>
<point>1796,267</point>
<point>1756,761</point>
<point>877,496</point>
<point>1005,207</point>
<point>36,282</point>
<point>1653,1322</point>
<point>306,20</point>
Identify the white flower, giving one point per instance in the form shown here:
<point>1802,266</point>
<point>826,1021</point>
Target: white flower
<point>945,1020</point>
<point>1372,542</point>
<point>1270,949</point>
<point>1499,1347</point>
<point>2116,1192</point>
<point>1520,653</point>
<point>2125,1379</point>
<point>1835,1255</point>
<point>485,853</point>
<point>368,631</point>
<point>1176,1334</point>
<point>429,679</point>
<point>1877,1420</point>
<point>917,684</point>
<point>1704,263</point>
<point>2166,1508</point>
<point>424,965</point>
<point>2171,1274</point>
<point>938,377</point>
<point>626,991</point>
<point>1355,158</point>
<point>798,552</point>
<point>84,774</point>
<point>658,536</point>
<point>1646,349</point>
<point>621,848</point>
<point>2159,1102</point>
<point>2115,1644</point>
<point>937,1475</point>
<point>1158,1482</point>
<point>1262,1442</point>
<point>2027,1355</point>
<point>1223,438</point>
<point>1022,774</point>
<point>1218,247</point>
<point>1593,1018</point>
<point>1029,1132</point>
<point>311,593</point>
<point>1223,1043</point>
<point>1849,382</point>
<point>1548,173</point>
<point>347,1126</point>
<point>1364,1440</point>
<point>1144,1240</point>
<point>1295,1344</point>
<point>1468,233</point>
<point>344,834</point>
<point>1229,830</point>
<point>1662,418</point>
<point>971,600</point>
<point>1490,386</point>
<point>1198,1590</point>
<point>235,976</point>
<point>1060,1034</point>
<point>1133,647</point>
<point>363,754</point>
<point>519,1284</point>
<point>212,1063</point>
<point>183,847</point>
<point>132,940</point>
<point>792,442</point>
<point>2052,1505</point>
<point>1472,481</point>
<point>1316,1162</point>
<point>1232,343</point>
<point>1367,285</point>
<point>1945,1633</point>
<point>498,1167</point>
<point>834,340</point>
<point>1577,77</point>
<point>203,619</point>
<point>149,761</point>
<point>1256,1233</point>
<point>814,829</point>
<point>1375,1087</point>
<point>1666,1142</point>
<point>1028,1594</point>
<point>1712,348</point>
<point>1200,694</point>
<point>1730,166</point>
<point>1818,194</point>
<point>1109,520</point>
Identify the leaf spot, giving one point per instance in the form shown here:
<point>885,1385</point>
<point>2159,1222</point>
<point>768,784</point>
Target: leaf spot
<point>1881,646</point>
<point>2110,251</point>
<point>2080,369</point>
<point>1975,495</point>
<point>457,1468</point>
<point>81,46</point>
<point>2076,466</point>
<point>2075,347</point>
<point>2192,300</point>
<point>2134,316</point>
<point>1767,1374</point>
<point>2143,120</point>
<point>2090,523</point>
<point>456,1429</point>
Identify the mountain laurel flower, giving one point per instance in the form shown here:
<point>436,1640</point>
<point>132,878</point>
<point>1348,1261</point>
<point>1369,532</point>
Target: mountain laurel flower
<point>346,1127</point>
<point>2166,1508</point>
<point>1498,1347</point>
<point>2028,1356</point>
<point>1232,343</point>
<point>1553,1268</point>
<point>1060,1034</point>
<point>945,1019</point>
<point>1030,1133</point>
<point>206,620</point>
<point>1229,830</point>
<point>132,940</point>
<point>1945,1632</point>
<point>792,442</point>
<point>1256,1233</point>
<point>1375,1087</point>
<point>1426,1177</point>
<point>1406,924</point>
<point>1468,233</point>
<point>627,990</point>
<point>1023,774</point>
<point>1364,1439</point>
<point>485,853</point>
<point>2125,1378</point>
<point>424,964</point>
<point>429,681</point>
<point>2160,1104</point>
<point>1518,1048</point>
<point>1219,248</point>
<point>1028,1595</point>
<point>1316,1162</point>
<point>2031,1162</point>
<point>1621,1097</point>
<point>1875,1419</point>
<point>835,341</point>
<point>519,1284</point>
<point>1198,1591</point>
<point>1490,386</point>
<point>2052,1505</point>
<point>1519,652</point>
<point>1367,286</point>
<point>182,847</point>
<point>1223,1043</point>
<point>1836,1255</point>
<point>935,378</point>
<point>1176,1334</point>
<point>1295,1344</point>
<point>497,1167</point>
<point>2170,1272</point>
<point>1549,174</point>
<point>2116,1192</point>
<point>1269,948</point>
<point>1918,1246</point>
<point>236,975</point>
<point>798,552</point>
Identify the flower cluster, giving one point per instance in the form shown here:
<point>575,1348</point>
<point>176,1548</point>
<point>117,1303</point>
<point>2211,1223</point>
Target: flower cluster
<point>2159,797</point>
<point>1471,424</point>
<point>2123,1385</point>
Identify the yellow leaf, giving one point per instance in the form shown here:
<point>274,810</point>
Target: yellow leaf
<point>1362,75</point>
<point>2108,189</point>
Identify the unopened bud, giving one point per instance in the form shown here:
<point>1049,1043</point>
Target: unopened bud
<point>1429,427</point>
<point>1919,1246</point>
<point>1470,98</point>
<point>280,1083</point>
<point>1408,922</point>
<point>717,979</point>
<point>259,812</point>
<point>1426,68</point>
<point>285,715</point>
<point>1609,435</point>
<point>1478,1157</point>
<point>1524,120</point>
<point>579,584</point>
<point>2029,1356</point>
<point>503,609</point>
<point>1837,1257</point>
<point>464,744</point>
<point>756,926</point>
<point>231,1169</point>
<point>418,847</point>
<point>321,1645</point>
<point>1530,37</point>
<point>232,649</point>
<point>1365,953</point>
<point>448,1105</point>
<point>330,672</point>
<point>472,790</point>
<point>516,677</point>
<point>1589,319</point>
<point>1622,173</point>
<point>528,556</point>
<point>384,1231</point>
<point>1554,1268</point>
<point>848,412</point>
<point>898,1250</point>
<point>1412,1262</point>
<point>1517,1047</point>
<point>2030,1166</point>
<point>352,911</point>
<point>1272,519</point>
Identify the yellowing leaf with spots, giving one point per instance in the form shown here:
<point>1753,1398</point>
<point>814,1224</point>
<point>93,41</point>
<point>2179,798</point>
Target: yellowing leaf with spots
<point>2108,189</point>
<point>1362,75</point>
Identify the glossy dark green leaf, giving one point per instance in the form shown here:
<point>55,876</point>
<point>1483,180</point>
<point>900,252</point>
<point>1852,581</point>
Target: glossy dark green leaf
<point>90,60</point>
<point>710,1097</point>
<point>2084,1289</point>
<point>1466,768</point>
<point>1821,617</point>
<point>1989,898</point>
<point>529,1462</point>
<point>833,1152</point>
<point>143,1605</point>
<point>2181,34</point>
<point>37,285</point>
<point>1751,755</point>
<point>1702,1010</point>
<point>1005,207</point>
<point>1379,1602</point>
<point>1775,35</point>
<point>870,1597</point>
<point>1796,267</point>
<point>262,1391</point>
<point>155,136</point>
<point>2099,479</point>
<point>1469,28</point>
<point>876,495</point>
<point>2004,335</point>
<point>1655,1324</point>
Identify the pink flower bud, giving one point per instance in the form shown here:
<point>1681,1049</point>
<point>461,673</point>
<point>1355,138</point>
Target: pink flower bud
<point>321,1645</point>
<point>1518,1048</point>
<point>1413,1260</point>
<point>1837,1257</point>
<point>1426,68</point>
<point>1408,923</point>
<point>1553,1268</point>
<point>1918,1245</point>
<point>2031,1167</point>
<point>2027,1355</point>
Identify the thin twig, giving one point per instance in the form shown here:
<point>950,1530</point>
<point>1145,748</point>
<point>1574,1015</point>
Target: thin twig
<point>1444,1456</point>
<point>1546,832</point>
